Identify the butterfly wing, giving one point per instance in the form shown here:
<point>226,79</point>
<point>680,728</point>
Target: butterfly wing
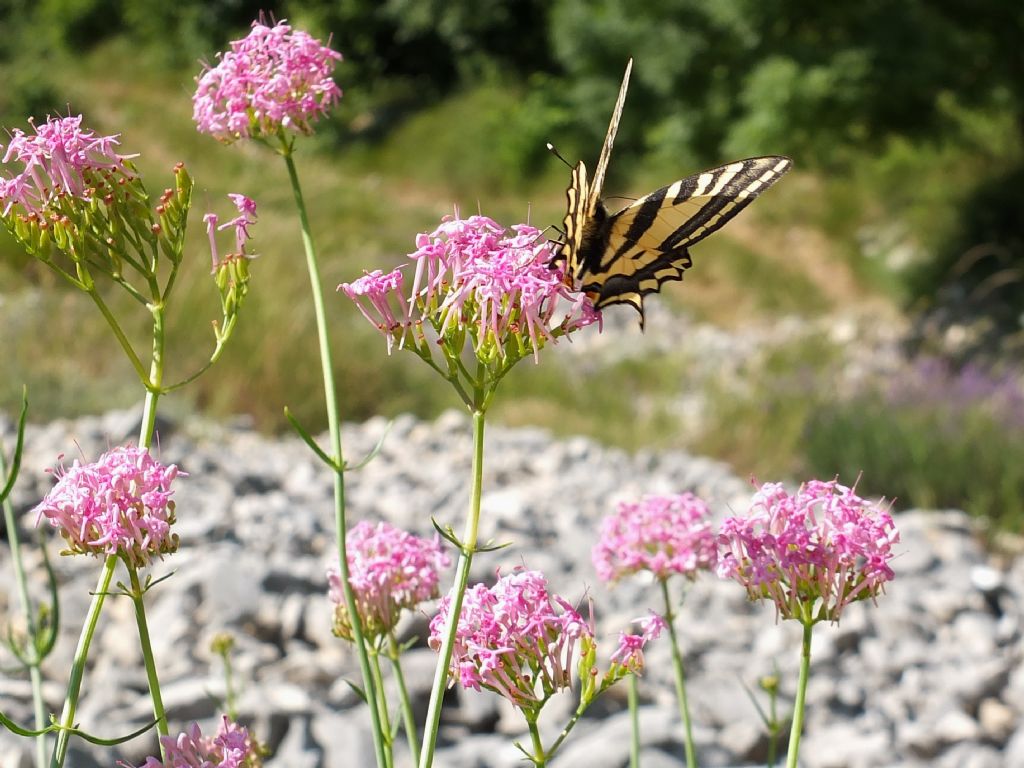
<point>609,139</point>
<point>646,244</point>
<point>583,198</point>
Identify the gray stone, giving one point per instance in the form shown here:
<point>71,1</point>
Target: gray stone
<point>927,677</point>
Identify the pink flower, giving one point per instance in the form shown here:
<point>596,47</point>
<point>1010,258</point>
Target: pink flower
<point>379,297</point>
<point>232,747</point>
<point>660,534</point>
<point>241,223</point>
<point>823,546</point>
<point>630,652</point>
<point>275,79</point>
<point>60,160</point>
<point>118,505</point>
<point>390,570</point>
<point>514,639</point>
<point>478,284</point>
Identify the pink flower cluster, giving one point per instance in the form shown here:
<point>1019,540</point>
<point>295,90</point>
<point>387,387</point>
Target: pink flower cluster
<point>60,159</point>
<point>274,79</point>
<point>823,546</point>
<point>630,653</point>
<point>390,570</point>
<point>514,639</point>
<point>661,534</point>
<point>118,505</point>
<point>473,276</point>
<point>246,217</point>
<point>232,747</point>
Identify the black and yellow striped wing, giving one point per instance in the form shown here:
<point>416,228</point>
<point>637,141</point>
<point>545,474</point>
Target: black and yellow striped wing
<point>624,256</point>
<point>620,258</point>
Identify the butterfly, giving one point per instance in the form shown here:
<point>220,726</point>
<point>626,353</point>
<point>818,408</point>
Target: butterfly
<point>619,258</point>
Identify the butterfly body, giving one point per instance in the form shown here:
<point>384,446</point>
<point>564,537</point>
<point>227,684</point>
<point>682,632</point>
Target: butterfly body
<point>618,258</point>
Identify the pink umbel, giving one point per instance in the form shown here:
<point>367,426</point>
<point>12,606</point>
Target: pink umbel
<point>118,505</point>
<point>812,552</point>
<point>473,277</point>
<point>663,534</point>
<point>515,639</point>
<point>231,747</point>
<point>390,570</point>
<point>59,160</point>
<point>275,79</point>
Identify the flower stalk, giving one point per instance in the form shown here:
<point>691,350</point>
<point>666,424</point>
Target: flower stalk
<point>408,719</point>
<point>680,677</point>
<point>467,549</point>
<point>137,593</point>
<point>334,428</point>
<point>35,649</point>
<point>633,702</point>
<point>67,717</point>
<point>797,727</point>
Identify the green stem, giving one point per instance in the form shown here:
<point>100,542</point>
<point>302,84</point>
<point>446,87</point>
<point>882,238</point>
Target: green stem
<point>156,375</point>
<point>801,692</point>
<point>31,649</point>
<point>634,719</point>
<point>539,759</point>
<point>567,730</point>
<point>381,704</point>
<point>67,717</point>
<point>469,539</point>
<point>677,665</point>
<point>334,426</point>
<point>409,720</point>
<point>138,595</point>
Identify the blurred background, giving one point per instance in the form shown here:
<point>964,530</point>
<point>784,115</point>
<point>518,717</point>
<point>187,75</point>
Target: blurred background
<point>863,317</point>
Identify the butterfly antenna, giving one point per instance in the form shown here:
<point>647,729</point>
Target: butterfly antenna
<point>552,150</point>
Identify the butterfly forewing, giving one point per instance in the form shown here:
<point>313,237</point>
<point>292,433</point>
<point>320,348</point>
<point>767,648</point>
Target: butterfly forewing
<point>597,184</point>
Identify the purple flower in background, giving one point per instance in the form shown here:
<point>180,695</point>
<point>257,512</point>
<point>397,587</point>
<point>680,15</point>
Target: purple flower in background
<point>933,383</point>
<point>59,160</point>
<point>515,639</point>
<point>477,282</point>
<point>661,534</point>
<point>390,570</point>
<point>231,747</point>
<point>275,79</point>
<point>812,553</point>
<point>119,505</point>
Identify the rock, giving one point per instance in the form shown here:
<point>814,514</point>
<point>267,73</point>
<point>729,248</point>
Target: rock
<point>927,677</point>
